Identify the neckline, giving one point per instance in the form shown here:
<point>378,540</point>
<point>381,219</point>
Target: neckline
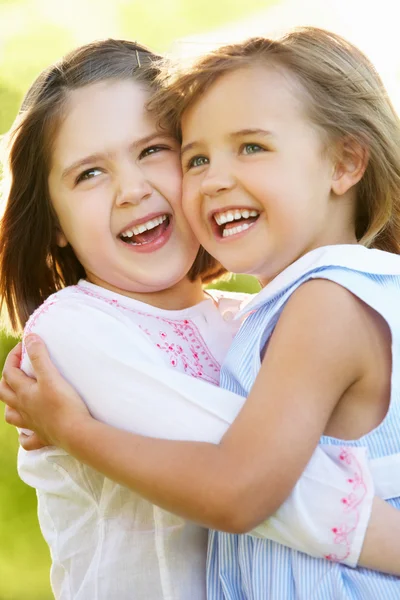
<point>201,307</point>
<point>351,256</point>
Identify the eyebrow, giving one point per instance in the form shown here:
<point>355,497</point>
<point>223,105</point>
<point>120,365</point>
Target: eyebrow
<point>235,134</point>
<point>99,155</point>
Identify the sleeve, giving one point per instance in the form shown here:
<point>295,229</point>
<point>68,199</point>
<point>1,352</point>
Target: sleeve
<point>121,378</point>
<point>328,511</point>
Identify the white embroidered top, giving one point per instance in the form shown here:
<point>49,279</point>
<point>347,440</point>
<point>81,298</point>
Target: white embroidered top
<point>153,372</point>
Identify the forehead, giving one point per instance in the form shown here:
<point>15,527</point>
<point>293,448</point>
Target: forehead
<point>101,115</point>
<point>246,96</point>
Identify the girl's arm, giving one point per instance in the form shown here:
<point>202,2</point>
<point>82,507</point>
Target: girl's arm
<point>115,453</point>
<point>312,358</point>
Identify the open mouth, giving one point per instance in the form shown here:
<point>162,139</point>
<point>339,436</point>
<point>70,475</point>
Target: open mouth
<point>146,233</point>
<point>234,221</point>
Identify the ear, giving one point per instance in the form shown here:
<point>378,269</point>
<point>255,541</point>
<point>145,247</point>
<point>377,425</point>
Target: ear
<point>350,165</point>
<point>62,241</point>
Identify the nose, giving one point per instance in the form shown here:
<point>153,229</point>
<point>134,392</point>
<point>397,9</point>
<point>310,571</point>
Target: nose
<point>133,186</point>
<point>217,180</point>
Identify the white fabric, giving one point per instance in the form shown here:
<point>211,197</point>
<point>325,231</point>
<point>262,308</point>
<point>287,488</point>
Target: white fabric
<point>130,362</point>
<point>349,256</point>
<point>384,473</point>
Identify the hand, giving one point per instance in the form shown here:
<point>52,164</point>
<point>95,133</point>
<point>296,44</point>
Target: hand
<point>48,405</point>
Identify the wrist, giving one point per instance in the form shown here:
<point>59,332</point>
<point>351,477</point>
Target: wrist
<point>72,432</point>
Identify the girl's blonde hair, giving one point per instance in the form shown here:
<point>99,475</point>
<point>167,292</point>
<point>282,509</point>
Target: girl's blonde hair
<point>344,97</point>
<point>32,265</point>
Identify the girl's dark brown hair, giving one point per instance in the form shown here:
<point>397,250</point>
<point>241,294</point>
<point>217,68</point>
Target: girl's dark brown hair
<point>32,265</point>
<point>343,96</point>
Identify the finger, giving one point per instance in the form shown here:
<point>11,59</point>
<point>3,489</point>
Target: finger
<point>39,357</point>
<point>12,417</point>
<point>31,442</point>
<point>16,379</point>
<point>14,357</point>
<point>7,395</point>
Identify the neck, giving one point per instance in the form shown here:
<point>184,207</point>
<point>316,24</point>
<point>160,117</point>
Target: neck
<point>348,238</point>
<point>182,295</point>
<point>337,227</point>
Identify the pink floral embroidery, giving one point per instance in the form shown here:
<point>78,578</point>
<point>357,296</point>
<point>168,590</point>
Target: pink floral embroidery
<point>351,502</point>
<point>197,361</point>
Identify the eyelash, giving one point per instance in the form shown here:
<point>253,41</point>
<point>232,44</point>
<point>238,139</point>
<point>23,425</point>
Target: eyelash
<point>191,162</point>
<point>85,175</point>
<point>254,145</point>
<point>157,148</point>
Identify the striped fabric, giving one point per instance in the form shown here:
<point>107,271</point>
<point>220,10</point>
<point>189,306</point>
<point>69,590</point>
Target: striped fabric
<point>243,567</point>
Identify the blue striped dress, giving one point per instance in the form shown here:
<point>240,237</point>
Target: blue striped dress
<point>245,567</point>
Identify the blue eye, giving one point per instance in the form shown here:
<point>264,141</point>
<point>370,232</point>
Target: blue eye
<point>251,148</point>
<point>88,174</point>
<point>197,161</point>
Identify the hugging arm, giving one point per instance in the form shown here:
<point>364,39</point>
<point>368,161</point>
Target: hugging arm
<point>135,396</point>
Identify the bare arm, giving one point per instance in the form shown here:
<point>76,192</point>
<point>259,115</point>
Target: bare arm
<point>381,548</point>
<point>111,451</point>
<point>310,361</point>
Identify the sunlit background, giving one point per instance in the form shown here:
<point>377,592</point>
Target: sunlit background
<point>34,33</point>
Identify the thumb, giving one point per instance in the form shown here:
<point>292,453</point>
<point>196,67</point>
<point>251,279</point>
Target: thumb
<point>38,355</point>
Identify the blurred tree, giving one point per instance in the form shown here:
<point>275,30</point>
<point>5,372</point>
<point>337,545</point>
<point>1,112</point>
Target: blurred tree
<point>10,99</point>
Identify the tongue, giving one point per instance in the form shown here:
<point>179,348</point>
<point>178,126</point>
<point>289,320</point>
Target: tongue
<point>151,234</point>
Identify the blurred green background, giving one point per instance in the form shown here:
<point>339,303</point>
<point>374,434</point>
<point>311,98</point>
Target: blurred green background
<point>32,35</point>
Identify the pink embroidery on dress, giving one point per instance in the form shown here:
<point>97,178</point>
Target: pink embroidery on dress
<point>351,503</point>
<point>197,361</point>
<point>33,319</point>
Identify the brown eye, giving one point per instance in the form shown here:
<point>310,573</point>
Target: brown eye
<point>152,150</point>
<point>88,174</point>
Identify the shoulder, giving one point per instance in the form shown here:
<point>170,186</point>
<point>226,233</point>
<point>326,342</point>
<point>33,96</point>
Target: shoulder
<point>343,262</point>
<point>73,319</point>
<point>51,307</point>
<point>79,329</point>
<point>325,304</point>
<point>323,296</point>
<point>325,321</point>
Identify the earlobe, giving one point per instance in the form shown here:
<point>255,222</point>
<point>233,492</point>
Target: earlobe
<point>349,167</point>
<point>62,241</point>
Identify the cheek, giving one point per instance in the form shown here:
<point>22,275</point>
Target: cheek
<point>191,198</point>
<point>171,188</point>
<point>65,222</point>
<point>85,224</point>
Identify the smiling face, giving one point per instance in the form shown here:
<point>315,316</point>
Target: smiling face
<point>259,188</point>
<point>115,185</point>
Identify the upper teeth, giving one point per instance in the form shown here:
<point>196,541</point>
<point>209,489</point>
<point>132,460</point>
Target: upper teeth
<point>234,215</point>
<point>136,229</point>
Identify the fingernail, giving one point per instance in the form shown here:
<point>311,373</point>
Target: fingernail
<point>30,339</point>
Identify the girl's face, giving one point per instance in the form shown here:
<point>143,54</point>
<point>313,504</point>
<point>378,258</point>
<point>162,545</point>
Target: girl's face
<point>115,184</point>
<point>257,185</point>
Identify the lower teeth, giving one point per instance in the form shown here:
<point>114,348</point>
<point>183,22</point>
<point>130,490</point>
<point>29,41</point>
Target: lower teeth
<point>234,230</point>
<point>132,241</point>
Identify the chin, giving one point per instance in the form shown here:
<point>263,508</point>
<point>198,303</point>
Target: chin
<point>236,266</point>
<point>161,283</point>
